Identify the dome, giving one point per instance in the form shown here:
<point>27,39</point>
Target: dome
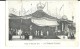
<point>40,6</point>
<point>64,17</point>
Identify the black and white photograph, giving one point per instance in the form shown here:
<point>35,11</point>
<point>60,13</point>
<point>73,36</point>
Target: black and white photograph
<point>30,20</point>
<point>41,23</point>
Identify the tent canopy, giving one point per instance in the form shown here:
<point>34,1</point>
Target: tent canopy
<point>41,14</point>
<point>40,18</point>
<point>44,22</point>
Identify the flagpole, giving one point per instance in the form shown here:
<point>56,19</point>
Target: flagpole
<point>21,13</point>
<point>61,8</point>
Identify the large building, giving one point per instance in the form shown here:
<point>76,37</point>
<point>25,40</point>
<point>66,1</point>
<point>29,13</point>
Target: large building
<point>41,25</point>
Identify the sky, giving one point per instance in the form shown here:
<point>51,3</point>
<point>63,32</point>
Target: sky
<point>53,8</point>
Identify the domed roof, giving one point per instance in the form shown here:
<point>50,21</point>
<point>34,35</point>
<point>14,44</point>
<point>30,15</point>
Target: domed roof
<point>64,17</point>
<point>40,6</point>
<point>42,14</point>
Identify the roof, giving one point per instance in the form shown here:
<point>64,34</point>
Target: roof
<point>13,16</point>
<point>66,21</point>
<point>41,14</point>
<point>36,14</point>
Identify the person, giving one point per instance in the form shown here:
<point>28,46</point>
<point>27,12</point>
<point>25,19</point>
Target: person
<point>26,35</point>
<point>10,35</point>
<point>19,32</point>
<point>71,36</point>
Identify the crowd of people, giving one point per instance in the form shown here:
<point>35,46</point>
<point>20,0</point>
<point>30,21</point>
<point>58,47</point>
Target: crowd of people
<point>18,32</point>
<point>25,34</point>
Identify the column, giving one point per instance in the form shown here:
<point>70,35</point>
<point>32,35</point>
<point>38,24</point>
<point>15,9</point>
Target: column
<point>56,29</point>
<point>47,33</point>
<point>62,26</point>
